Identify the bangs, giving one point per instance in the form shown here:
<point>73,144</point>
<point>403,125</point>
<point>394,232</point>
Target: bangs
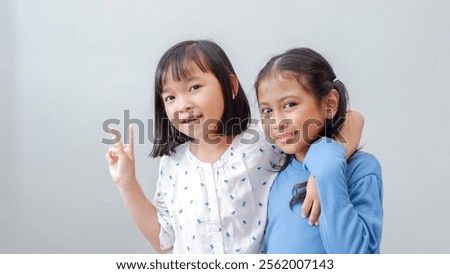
<point>182,63</point>
<point>276,74</point>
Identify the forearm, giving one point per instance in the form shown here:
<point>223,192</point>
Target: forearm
<point>349,223</point>
<point>350,133</point>
<point>343,228</point>
<point>144,213</point>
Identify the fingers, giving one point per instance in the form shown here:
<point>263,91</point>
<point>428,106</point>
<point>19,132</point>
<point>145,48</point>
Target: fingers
<point>111,157</point>
<point>118,146</point>
<point>130,136</point>
<point>311,205</point>
<point>118,150</point>
<point>130,146</point>
<point>306,207</point>
<point>315,213</point>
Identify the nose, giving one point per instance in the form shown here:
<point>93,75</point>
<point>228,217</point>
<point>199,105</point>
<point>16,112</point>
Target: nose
<point>280,125</point>
<point>278,121</point>
<point>184,105</point>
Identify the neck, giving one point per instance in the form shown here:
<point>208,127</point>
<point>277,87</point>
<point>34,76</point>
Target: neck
<point>210,149</point>
<point>300,156</point>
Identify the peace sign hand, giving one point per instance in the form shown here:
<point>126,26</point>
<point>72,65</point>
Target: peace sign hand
<point>121,159</point>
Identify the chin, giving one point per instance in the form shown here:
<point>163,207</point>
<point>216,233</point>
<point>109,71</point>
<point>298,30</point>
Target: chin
<point>191,131</point>
<point>286,148</point>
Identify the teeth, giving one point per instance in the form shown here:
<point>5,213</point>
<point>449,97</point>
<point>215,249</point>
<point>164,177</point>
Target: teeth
<point>285,137</point>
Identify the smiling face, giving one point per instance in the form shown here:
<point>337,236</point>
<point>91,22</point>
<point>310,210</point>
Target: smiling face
<point>194,104</point>
<point>291,116</point>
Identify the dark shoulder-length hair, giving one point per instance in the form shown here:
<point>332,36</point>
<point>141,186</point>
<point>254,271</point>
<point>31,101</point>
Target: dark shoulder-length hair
<point>313,72</point>
<point>208,57</point>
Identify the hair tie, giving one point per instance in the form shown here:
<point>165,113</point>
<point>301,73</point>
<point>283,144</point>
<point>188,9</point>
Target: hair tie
<point>335,80</point>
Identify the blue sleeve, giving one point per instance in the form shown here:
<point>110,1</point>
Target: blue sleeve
<point>351,209</point>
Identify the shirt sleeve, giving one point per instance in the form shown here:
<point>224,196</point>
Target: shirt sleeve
<point>270,156</point>
<point>351,212</point>
<point>166,234</point>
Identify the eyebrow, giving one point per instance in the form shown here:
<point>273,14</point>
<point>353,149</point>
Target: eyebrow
<point>280,100</point>
<point>192,78</point>
<point>165,91</point>
<point>187,79</point>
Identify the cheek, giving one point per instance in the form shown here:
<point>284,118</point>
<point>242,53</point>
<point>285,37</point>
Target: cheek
<point>218,103</point>
<point>265,123</point>
<point>169,112</point>
<point>312,127</point>
<point>266,126</point>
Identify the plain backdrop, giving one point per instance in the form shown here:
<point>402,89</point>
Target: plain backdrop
<point>67,66</point>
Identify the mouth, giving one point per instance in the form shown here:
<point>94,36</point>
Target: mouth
<point>285,137</point>
<point>191,120</point>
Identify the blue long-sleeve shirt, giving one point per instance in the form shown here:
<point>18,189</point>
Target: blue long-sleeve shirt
<point>351,204</point>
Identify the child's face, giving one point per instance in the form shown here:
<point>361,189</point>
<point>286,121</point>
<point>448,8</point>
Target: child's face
<point>291,116</point>
<point>194,105</point>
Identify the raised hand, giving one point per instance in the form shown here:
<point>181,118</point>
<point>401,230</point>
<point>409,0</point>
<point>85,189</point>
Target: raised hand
<point>121,165</point>
<point>121,159</point>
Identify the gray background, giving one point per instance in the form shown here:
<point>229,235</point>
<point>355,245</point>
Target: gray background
<point>67,66</point>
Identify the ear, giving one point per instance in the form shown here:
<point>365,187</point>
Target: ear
<point>234,84</point>
<point>331,102</point>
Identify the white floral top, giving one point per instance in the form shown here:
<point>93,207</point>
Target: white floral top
<point>219,207</point>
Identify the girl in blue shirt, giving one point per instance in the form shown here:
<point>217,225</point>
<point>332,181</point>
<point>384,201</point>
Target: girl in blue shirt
<point>303,106</point>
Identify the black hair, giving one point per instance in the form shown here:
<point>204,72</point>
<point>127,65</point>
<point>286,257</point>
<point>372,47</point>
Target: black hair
<point>313,72</point>
<point>208,57</point>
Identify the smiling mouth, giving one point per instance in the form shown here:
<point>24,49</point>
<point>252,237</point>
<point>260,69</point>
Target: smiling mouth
<point>191,120</point>
<point>283,138</point>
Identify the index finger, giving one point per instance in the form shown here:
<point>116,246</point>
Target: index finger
<point>131,139</point>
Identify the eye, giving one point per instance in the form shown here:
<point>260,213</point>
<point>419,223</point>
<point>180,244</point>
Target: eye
<point>266,111</point>
<point>289,105</point>
<point>194,88</point>
<point>169,98</point>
